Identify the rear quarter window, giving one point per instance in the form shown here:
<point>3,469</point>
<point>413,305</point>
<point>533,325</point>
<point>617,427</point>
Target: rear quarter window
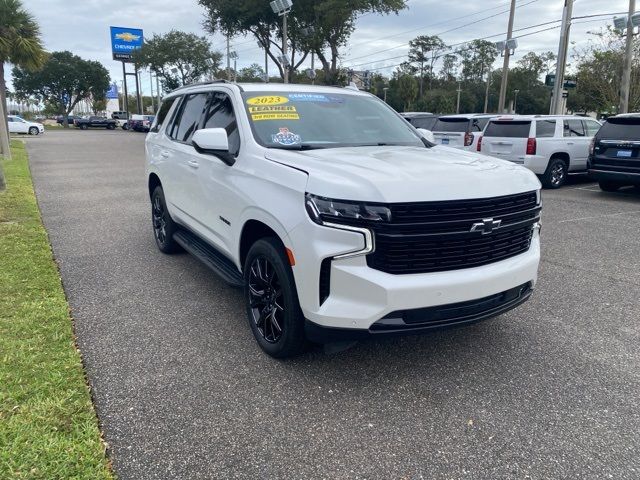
<point>545,128</point>
<point>509,129</point>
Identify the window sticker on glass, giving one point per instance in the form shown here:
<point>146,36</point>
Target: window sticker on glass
<point>267,100</point>
<point>285,137</point>
<point>273,112</point>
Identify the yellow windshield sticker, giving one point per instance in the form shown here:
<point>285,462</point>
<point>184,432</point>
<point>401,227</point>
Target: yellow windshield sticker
<point>273,112</point>
<point>274,116</point>
<point>267,100</point>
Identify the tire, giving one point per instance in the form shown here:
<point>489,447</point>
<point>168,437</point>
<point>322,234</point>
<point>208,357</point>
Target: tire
<point>83,126</point>
<point>111,126</point>
<point>163,226</point>
<point>34,131</point>
<point>556,174</point>
<point>273,309</point>
<point>125,127</point>
<point>609,186</point>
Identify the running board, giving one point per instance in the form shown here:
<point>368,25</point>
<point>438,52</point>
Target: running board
<point>208,255</point>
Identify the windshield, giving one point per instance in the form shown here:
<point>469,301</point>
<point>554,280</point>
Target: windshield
<point>319,120</point>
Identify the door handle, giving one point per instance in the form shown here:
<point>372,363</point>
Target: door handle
<point>193,164</point>
<point>569,143</point>
<point>164,154</point>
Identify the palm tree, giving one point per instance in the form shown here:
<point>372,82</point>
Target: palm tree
<point>20,44</point>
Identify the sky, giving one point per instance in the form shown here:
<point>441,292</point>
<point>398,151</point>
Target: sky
<point>378,43</point>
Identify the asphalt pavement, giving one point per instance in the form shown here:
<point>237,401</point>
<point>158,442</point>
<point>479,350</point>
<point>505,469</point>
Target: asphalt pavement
<point>550,390</point>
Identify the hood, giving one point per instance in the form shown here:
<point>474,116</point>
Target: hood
<point>406,174</point>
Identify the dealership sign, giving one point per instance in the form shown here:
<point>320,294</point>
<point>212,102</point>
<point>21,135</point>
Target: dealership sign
<point>124,41</point>
<point>112,93</point>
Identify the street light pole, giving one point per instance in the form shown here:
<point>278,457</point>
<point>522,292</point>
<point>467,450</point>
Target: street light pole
<point>384,89</point>
<point>228,59</point>
<point>458,102</point>
<point>284,46</point>
<point>282,8</point>
<point>515,101</point>
<point>505,64</point>
<point>628,57</point>
<point>557,106</point>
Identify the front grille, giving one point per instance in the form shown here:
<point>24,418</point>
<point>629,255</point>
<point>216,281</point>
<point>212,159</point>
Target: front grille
<point>436,236</point>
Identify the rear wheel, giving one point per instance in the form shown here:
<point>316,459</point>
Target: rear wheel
<point>609,186</point>
<point>83,126</point>
<point>556,174</point>
<point>273,308</point>
<point>111,126</point>
<point>163,226</point>
<point>33,131</point>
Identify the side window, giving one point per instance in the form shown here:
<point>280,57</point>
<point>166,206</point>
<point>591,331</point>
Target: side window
<point>220,115</point>
<point>545,128</point>
<point>162,114</point>
<point>189,117</point>
<point>591,127</point>
<point>479,124</point>
<point>573,128</point>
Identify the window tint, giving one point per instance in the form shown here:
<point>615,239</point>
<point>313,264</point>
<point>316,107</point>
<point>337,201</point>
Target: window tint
<point>508,129</point>
<point>545,128</point>
<point>220,115</point>
<point>427,122</point>
<point>189,118</point>
<point>478,124</point>
<point>451,125</point>
<point>573,128</point>
<point>162,114</point>
<point>624,128</point>
<point>591,127</point>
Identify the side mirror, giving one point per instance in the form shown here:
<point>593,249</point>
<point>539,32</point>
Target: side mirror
<point>427,135</point>
<point>213,141</point>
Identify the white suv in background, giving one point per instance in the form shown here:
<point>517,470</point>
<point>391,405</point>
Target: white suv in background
<point>336,217</point>
<point>460,131</point>
<point>20,125</point>
<point>549,146</point>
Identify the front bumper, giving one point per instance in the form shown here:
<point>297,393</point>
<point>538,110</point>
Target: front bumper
<point>360,296</point>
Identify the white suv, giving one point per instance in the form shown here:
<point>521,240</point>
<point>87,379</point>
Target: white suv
<point>460,131</point>
<point>335,216</point>
<point>550,146</point>
<point>20,125</point>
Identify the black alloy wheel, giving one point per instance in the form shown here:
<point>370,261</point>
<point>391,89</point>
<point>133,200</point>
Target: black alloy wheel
<point>266,299</point>
<point>163,225</point>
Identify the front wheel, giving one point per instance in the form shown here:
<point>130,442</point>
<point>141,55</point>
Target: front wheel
<point>271,298</point>
<point>111,126</point>
<point>163,225</point>
<point>34,131</point>
<point>83,126</point>
<point>556,174</point>
<point>609,186</point>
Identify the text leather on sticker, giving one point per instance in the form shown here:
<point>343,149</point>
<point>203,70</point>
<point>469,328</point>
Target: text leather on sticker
<point>267,100</point>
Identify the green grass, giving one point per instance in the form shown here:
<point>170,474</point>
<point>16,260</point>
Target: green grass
<point>48,427</point>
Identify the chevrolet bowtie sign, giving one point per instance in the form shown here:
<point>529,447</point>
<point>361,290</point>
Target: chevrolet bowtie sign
<point>124,41</point>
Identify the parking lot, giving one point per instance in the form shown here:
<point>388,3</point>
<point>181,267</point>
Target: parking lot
<point>549,390</point>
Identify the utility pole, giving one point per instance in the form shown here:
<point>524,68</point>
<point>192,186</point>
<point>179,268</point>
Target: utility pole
<point>153,108</point>
<point>557,105</point>
<point>284,47</point>
<point>486,93</point>
<point>281,8</point>
<point>459,92</point>
<point>505,65</point>
<point>158,91</point>
<point>628,57</point>
<point>313,68</point>
<point>228,59</point>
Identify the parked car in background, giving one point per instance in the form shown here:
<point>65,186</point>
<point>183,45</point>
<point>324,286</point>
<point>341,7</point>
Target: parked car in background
<point>141,123</point>
<point>20,125</point>
<point>71,119</point>
<point>614,159</point>
<point>95,122</point>
<point>339,220</point>
<point>119,115</point>
<point>549,146</point>
<point>421,119</point>
<point>460,131</point>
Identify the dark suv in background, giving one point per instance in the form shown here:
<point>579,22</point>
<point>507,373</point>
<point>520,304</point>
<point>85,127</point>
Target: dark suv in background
<point>614,155</point>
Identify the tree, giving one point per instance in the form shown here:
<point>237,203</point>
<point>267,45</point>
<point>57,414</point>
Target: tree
<point>424,50</point>
<point>449,68</point>
<point>333,22</point>
<point>477,58</point>
<point>252,73</point>
<point>20,44</point>
<point>64,80</point>
<point>179,58</point>
<point>407,90</point>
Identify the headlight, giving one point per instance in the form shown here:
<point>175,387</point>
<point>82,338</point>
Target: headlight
<point>325,209</point>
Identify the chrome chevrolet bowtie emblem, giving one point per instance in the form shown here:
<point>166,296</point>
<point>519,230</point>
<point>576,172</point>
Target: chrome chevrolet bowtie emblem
<point>486,226</point>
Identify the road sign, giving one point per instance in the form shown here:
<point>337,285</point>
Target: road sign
<point>550,81</point>
<point>124,41</point>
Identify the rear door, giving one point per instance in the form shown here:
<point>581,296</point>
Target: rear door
<point>507,139</point>
<point>450,131</point>
<point>577,144</point>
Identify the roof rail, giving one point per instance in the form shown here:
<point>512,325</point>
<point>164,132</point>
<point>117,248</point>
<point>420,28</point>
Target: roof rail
<point>209,82</point>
